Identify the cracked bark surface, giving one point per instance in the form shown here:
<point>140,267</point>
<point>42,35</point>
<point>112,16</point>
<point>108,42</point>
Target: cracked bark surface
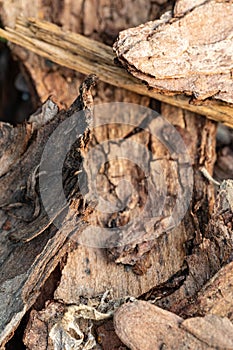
<point>100,20</point>
<point>162,261</point>
<point>30,248</point>
<point>188,51</point>
<point>169,268</point>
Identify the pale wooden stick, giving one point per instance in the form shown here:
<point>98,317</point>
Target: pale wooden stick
<point>88,56</point>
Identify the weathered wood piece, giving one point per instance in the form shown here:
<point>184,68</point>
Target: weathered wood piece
<point>88,56</point>
<point>85,270</point>
<point>155,257</point>
<point>216,297</point>
<point>101,22</point>
<point>190,52</point>
<point>207,258</point>
<point>89,273</point>
<point>133,247</point>
<point>143,326</point>
<point>27,263</point>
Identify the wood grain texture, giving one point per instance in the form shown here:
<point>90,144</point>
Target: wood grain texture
<point>30,247</point>
<point>216,296</point>
<point>188,52</point>
<point>88,56</point>
<point>207,258</point>
<point>87,272</point>
<point>155,257</point>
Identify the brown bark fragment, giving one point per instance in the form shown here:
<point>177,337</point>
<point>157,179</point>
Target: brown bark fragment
<point>87,272</point>
<point>130,252</point>
<point>190,55</point>
<point>26,266</point>
<point>143,326</point>
<point>216,297</point>
<point>107,337</point>
<point>206,259</point>
<point>48,41</point>
<point>224,164</point>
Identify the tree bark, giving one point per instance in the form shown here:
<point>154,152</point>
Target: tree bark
<point>198,42</point>
<point>89,56</point>
<point>161,263</point>
<point>31,247</point>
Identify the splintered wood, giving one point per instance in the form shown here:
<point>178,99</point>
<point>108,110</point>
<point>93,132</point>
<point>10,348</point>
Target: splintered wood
<point>190,52</point>
<point>88,56</point>
<point>69,288</point>
<point>26,266</point>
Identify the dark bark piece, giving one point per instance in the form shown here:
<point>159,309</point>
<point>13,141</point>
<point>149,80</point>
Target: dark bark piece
<point>108,338</point>
<point>216,297</point>
<point>13,143</point>
<point>224,165</point>
<point>220,226</point>
<point>143,326</point>
<point>190,55</point>
<point>207,258</point>
<point>26,266</point>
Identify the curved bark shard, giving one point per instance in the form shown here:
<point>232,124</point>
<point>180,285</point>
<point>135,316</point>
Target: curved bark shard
<point>191,54</point>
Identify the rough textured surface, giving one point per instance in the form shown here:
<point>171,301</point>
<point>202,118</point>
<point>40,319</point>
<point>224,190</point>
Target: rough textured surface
<point>190,54</point>
<point>88,56</point>
<point>86,270</point>
<point>216,297</point>
<point>212,252</point>
<point>155,257</point>
<point>186,125</point>
<point>26,266</point>
<point>100,20</point>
